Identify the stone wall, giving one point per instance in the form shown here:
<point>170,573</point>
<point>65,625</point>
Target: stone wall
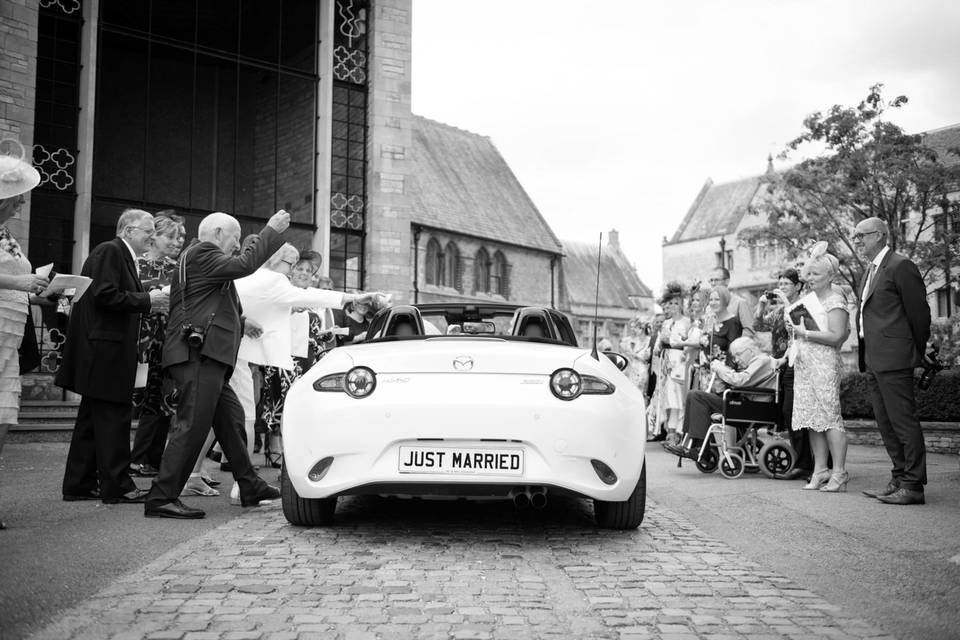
<point>940,437</point>
<point>389,265</point>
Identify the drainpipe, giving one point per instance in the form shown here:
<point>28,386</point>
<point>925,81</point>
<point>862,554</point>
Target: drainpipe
<point>416,264</point>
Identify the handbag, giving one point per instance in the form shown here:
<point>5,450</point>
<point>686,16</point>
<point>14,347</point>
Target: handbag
<point>800,313</point>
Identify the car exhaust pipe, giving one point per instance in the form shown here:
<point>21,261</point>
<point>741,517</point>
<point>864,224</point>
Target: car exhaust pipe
<point>538,499</point>
<point>521,500</point>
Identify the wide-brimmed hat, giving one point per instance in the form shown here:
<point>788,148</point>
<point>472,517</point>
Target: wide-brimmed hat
<point>16,175</point>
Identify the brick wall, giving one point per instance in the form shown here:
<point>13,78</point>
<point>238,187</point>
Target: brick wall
<point>18,82</point>
<point>389,265</point>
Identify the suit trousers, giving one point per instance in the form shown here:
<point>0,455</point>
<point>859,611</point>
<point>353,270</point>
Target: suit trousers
<point>205,400</point>
<point>150,439</point>
<point>895,408</point>
<point>700,405</point>
<point>99,455</point>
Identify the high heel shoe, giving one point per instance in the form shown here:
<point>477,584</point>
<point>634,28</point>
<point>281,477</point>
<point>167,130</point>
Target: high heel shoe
<point>817,480</point>
<point>838,482</point>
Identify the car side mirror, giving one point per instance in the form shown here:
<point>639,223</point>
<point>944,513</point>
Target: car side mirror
<point>619,361</point>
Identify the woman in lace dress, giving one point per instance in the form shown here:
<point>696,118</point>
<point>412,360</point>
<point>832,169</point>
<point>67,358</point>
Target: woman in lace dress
<point>16,284</point>
<point>815,352</point>
<point>674,378</point>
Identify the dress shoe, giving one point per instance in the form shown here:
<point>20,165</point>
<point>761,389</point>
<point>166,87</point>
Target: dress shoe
<point>891,487</point>
<point>143,470</point>
<point>175,509</point>
<point>265,494</point>
<point>903,496</point>
<point>75,497</point>
<point>137,496</point>
<point>795,474</point>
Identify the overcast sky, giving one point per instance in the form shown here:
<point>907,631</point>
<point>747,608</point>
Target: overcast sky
<point>613,114</point>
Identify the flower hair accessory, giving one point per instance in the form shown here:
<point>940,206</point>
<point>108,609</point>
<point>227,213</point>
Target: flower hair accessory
<point>818,250</point>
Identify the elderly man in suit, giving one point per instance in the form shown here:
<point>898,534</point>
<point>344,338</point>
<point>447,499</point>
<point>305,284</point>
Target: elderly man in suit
<point>100,363</point>
<point>893,324</point>
<point>200,352</point>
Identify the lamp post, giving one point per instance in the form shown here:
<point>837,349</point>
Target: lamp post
<point>723,251</point>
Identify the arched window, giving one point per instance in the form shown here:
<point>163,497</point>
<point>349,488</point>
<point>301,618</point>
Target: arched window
<point>451,258</point>
<point>433,268</point>
<point>481,271</point>
<point>498,274</point>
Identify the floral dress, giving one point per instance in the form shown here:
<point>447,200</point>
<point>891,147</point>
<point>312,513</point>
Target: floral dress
<point>153,399</point>
<point>14,306</point>
<point>817,369</point>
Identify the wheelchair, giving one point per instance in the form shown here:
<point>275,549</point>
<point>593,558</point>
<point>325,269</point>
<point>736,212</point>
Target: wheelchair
<point>744,436</point>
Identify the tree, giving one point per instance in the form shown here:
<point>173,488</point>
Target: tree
<point>868,167</point>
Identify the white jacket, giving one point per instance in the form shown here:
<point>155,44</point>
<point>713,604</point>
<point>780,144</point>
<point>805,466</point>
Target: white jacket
<point>268,299</point>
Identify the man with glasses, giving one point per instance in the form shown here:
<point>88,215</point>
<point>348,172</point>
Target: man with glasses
<point>100,363</point>
<point>739,308</point>
<point>893,326</point>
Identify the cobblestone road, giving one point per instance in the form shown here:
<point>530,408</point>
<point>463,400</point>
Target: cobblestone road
<point>411,569</point>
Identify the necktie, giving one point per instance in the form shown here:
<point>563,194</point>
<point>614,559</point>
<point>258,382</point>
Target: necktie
<point>868,280</point>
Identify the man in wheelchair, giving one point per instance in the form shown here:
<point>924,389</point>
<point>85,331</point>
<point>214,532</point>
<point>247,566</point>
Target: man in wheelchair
<point>756,369</point>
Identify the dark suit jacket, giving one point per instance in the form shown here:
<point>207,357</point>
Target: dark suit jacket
<point>896,317</point>
<point>211,299</point>
<point>100,353</point>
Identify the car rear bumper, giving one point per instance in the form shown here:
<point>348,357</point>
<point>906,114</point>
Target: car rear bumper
<point>558,441</point>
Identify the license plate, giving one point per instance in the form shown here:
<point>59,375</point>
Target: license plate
<point>461,460</point>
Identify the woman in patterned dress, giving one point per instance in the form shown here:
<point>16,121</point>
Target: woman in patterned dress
<point>16,284</point>
<point>672,386</point>
<point>155,268</point>
<point>815,352</point>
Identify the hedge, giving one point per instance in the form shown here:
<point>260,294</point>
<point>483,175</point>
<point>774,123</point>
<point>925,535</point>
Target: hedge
<point>939,403</point>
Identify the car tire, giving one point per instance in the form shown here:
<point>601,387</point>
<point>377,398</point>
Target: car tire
<point>627,514</point>
<point>304,512</point>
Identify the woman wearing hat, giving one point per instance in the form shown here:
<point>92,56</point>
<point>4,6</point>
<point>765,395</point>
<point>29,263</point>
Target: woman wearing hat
<point>16,284</point>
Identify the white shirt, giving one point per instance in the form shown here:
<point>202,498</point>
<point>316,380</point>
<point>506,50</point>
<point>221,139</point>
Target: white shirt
<point>268,298</point>
<point>132,253</point>
<point>877,259</point>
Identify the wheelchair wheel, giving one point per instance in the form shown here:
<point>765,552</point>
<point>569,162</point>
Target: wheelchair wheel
<point>709,460</point>
<point>777,459</point>
<point>732,468</point>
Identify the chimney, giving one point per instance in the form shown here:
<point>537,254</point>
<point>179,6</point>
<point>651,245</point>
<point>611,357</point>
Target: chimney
<point>770,169</point>
<point>613,239</point>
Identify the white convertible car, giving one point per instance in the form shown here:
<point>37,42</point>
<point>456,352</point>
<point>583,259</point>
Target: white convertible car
<point>467,400</point>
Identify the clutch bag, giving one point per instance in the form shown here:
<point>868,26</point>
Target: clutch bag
<point>800,314</point>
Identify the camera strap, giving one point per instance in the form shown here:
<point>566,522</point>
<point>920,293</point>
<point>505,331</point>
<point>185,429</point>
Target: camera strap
<point>182,268</point>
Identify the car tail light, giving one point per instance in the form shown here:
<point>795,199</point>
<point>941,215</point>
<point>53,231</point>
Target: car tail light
<point>566,384</point>
<point>359,382</point>
<point>593,385</point>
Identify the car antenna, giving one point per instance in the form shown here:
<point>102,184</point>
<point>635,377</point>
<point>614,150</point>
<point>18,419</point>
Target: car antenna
<point>596,303</point>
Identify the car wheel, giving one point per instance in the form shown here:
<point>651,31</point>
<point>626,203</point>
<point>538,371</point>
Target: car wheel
<point>304,512</point>
<point>627,514</point>
<point>707,463</point>
<point>777,459</point>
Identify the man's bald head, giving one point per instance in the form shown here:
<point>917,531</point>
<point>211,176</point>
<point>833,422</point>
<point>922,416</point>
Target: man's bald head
<point>222,230</point>
<point>870,236</point>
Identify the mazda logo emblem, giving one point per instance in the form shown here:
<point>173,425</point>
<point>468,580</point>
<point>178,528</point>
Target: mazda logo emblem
<point>463,363</point>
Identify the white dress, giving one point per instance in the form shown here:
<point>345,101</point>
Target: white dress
<point>14,306</point>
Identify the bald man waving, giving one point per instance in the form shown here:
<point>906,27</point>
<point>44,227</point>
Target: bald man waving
<point>199,353</point>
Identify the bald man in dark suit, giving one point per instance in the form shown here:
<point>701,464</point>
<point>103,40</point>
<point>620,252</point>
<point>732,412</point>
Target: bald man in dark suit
<point>893,324</point>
